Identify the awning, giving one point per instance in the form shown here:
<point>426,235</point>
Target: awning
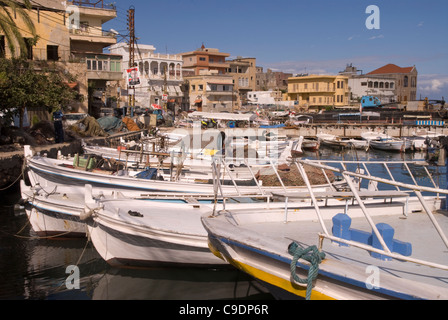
<point>198,101</point>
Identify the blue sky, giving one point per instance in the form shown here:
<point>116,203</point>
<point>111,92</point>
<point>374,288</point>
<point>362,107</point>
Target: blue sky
<point>295,36</point>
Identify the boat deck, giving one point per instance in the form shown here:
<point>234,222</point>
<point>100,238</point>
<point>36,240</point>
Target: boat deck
<point>274,235</point>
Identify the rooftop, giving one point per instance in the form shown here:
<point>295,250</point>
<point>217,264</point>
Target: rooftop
<point>392,68</point>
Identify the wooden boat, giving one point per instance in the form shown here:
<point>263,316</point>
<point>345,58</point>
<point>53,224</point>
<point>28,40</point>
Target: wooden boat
<point>391,144</point>
<point>235,180</point>
<point>338,142</point>
<point>361,249</point>
<point>310,144</point>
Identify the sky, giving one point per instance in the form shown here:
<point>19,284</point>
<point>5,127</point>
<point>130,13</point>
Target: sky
<point>296,36</point>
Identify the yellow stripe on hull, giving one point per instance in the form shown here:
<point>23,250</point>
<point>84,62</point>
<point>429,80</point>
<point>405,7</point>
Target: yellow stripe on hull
<point>271,279</point>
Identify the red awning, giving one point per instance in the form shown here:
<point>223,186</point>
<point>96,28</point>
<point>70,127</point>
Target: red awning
<point>198,101</point>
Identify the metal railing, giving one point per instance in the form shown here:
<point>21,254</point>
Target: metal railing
<point>351,187</point>
<point>94,4</point>
<point>351,178</point>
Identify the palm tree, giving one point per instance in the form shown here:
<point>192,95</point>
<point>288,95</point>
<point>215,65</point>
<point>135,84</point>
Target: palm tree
<point>9,10</point>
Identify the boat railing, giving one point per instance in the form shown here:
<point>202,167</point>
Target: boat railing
<point>352,178</point>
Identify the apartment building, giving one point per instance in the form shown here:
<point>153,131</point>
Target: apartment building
<point>405,80</point>
<point>205,59</point>
<point>271,80</point>
<point>243,72</point>
<point>160,74</point>
<point>314,91</point>
<point>87,43</point>
<point>212,92</point>
<point>72,43</point>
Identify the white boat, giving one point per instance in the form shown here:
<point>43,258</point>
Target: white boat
<point>233,179</point>
<point>60,210</point>
<point>131,233</point>
<point>394,248</point>
<point>423,139</point>
<point>391,144</point>
<point>385,142</point>
<point>336,141</point>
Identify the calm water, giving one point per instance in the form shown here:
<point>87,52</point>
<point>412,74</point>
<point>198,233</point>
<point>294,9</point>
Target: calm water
<point>32,268</point>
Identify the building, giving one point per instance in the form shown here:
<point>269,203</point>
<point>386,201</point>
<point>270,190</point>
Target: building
<point>405,80</point>
<point>271,80</point>
<point>160,74</point>
<point>205,59</point>
<point>368,85</point>
<point>73,45</point>
<point>264,97</point>
<point>87,43</point>
<point>314,91</point>
<point>243,72</point>
<point>212,92</point>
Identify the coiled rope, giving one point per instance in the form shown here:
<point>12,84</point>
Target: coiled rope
<point>313,256</point>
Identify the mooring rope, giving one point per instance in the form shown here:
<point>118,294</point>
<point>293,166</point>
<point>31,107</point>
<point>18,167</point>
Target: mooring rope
<point>313,256</point>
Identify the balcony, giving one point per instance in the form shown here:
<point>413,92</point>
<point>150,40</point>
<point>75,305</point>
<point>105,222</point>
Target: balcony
<point>94,4</point>
<point>104,37</point>
<point>104,67</point>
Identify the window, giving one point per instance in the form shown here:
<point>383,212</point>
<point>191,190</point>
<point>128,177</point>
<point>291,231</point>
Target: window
<point>214,87</point>
<point>201,87</point>
<point>405,81</point>
<point>363,84</point>
<point>52,53</point>
<point>370,84</point>
<point>201,59</point>
<point>28,54</point>
<point>391,85</point>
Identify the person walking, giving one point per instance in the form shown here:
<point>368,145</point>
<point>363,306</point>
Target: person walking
<point>58,128</point>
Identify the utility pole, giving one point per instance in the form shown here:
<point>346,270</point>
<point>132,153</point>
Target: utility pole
<point>131,28</point>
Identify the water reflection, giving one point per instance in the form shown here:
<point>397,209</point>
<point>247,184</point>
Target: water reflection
<point>33,268</point>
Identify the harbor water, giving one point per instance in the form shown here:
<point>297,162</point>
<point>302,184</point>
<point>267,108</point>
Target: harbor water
<point>33,268</point>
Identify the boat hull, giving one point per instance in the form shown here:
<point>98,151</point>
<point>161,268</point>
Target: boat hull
<point>160,234</point>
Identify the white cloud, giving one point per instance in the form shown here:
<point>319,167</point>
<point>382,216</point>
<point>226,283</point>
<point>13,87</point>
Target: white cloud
<point>433,86</point>
<point>420,24</point>
<point>376,37</point>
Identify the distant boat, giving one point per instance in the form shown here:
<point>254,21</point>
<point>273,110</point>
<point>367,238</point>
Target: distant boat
<point>338,142</point>
<point>391,144</point>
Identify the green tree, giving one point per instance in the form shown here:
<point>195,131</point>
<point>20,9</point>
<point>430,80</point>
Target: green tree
<point>10,9</point>
<point>22,86</point>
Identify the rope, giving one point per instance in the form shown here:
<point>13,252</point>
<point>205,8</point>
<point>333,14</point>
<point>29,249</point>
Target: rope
<point>18,178</point>
<point>313,256</point>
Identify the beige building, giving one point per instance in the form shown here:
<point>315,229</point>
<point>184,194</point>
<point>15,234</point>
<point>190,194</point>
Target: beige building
<point>243,72</point>
<point>314,91</point>
<point>211,92</point>
<point>405,80</point>
<point>70,36</point>
<point>205,59</point>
